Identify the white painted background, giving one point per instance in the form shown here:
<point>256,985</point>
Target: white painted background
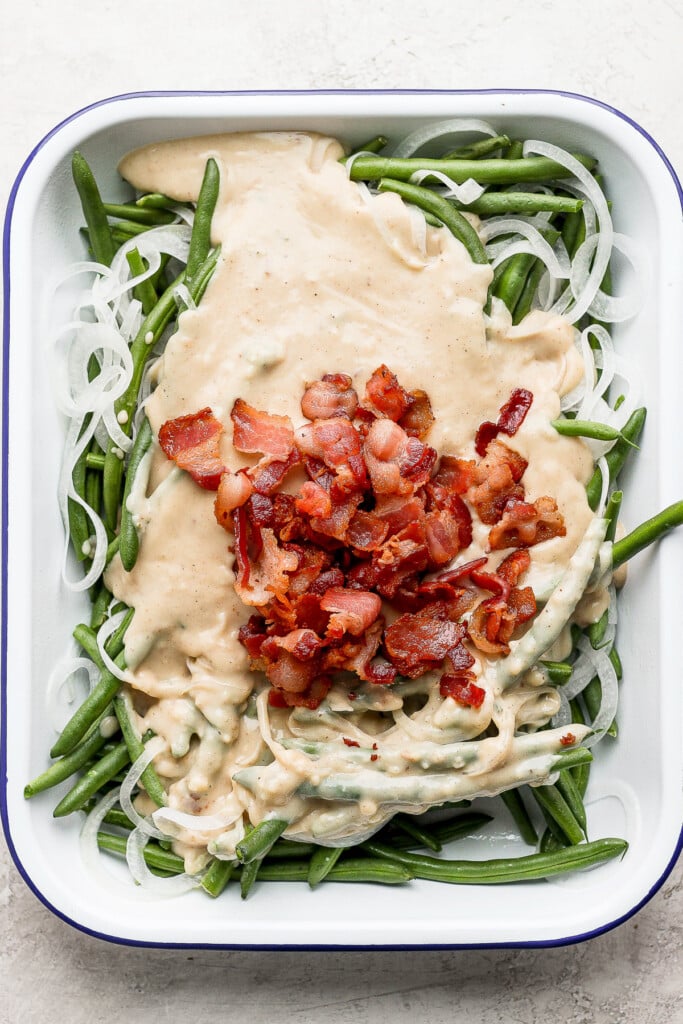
<point>56,57</point>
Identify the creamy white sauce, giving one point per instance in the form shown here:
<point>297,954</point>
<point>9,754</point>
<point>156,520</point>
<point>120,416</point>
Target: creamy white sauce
<point>314,278</point>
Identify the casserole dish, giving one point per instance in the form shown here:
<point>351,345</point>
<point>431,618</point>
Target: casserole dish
<point>635,787</point>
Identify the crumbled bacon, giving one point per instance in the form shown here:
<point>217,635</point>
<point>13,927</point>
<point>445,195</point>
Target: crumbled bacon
<point>380,518</point>
<point>193,442</point>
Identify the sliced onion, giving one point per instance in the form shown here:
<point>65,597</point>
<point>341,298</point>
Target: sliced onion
<point>467,193</point>
<point>176,885</point>
<point>555,258</point>
<point>196,822</point>
<point>427,133</point>
<point>90,851</point>
<point>108,627</point>
<point>61,680</point>
<point>152,748</point>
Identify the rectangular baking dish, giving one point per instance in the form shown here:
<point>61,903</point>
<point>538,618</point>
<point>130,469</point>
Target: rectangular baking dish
<point>635,789</point>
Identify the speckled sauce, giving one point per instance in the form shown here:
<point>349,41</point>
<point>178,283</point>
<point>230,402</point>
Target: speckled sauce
<point>317,277</point>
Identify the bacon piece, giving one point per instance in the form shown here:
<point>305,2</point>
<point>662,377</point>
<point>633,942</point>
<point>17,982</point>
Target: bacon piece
<point>287,672</point>
<point>312,562</point>
<point>234,490</point>
<point>303,644</point>
<point>358,656</point>
<point>193,443</point>
<point>442,533</point>
<point>354,611</point>
<point>252,635</point>
<point>330,397</point>
<point>366,531</point>
<point>384,394</point>
<point>397,463</point>
<point>453,476</point>
<point>338,444</point>
<point>462,690</point>
<point>412,595</point>
<point>523,525</point>
<point>398,558</point>
<point>311,698</point>
<point>418,418</point>
<point>416,643</point>
<point>461,572</point>
<point>268,574</point>
<point>269,473</point>
<point>314,500</point>
<point>496,482</point>
<point>494,621</point>
<point>398,512</point>
<point>256,431</point>
<point>337,523</point>
<point>510,419</point>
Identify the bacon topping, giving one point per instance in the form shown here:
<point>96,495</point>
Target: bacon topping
<point>193,443</point>
<point>510,419</point>
<point>384,394</point>
<point>354,610</point>
<point>330,397</point>
<point>256,431</point>
<point>523,525</point>
<point>416,643</point>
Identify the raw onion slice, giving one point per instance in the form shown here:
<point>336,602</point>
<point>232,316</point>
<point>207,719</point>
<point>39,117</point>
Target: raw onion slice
<point>197,822</point>
<point>176,885</point>
<point>61,688</point>
<point>108,627</point>
<point>427,133</point>
<point>466,193</point>
<point>152,748</point>
<point>555,258</point>
<point>90,850</point>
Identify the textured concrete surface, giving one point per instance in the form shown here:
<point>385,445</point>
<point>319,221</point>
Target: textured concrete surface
<point>57,56</point>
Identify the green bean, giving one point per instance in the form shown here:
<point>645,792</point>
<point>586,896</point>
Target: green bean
<point>66,766</point>
<point>217,876</point>
<point>441,208</point>
<point>647,533</point>
<point>559,672</point>
<point>496,872</point>
<point>596,631</point>
<point>421,835</point>
<point>616,456</point>
<point>321,863</point>
<point>567,788</point>
<point>144,290</point>
<point>128,228</point>
<point>515,150</point>
<point>79,523</point>
<point>478,149</point>
<point>149,778</point>
<point>290,848</point>
<point>552,801</point>
<point>155,856</point>
<point>573,232</point>
<point>587,428</point>
<point>512,799</point>
<point>86,637</point>
<point>129,542</point>
<point>258,842</point>
<point>132,212</point>
<point>486,172</point>
<point>158,201</point>
<point>526,299</point>
<point>616,663</point>
<point>200,240</point>
<point>93,210</point>
<point>373,145</point>
<point>581,772</point>
<point>592,698</point>
<point>93,705</point>
<point>443,831</point>
<point>248,875</point>
<point>94,460</point>
<point>612,514</point>
<point>492,204</point>
<point>114,816</point>
<point>365,869</point>
<point>550,842</point>
<point>98,614</point>
<point>93,780</point>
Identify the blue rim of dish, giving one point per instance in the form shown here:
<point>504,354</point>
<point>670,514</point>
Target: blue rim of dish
<point>257,947</point>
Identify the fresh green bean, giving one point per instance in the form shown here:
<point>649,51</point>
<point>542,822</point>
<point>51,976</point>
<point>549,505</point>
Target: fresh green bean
<point>155,857</point>
<point>98,614</point>
<point>647,533</point>
<point>129,542</point>
<point>616,456</point>
<point>512,799</point>
<point>592,698</point>
<point>114,816</point>
<point>441,208</point>
<point>486,172</point>
<point>373,145</point>
<point>580,772</point>
<point>567,788</point>
<point>144,290</point>
<point>573,232</point>
<point>616,663</point>
<point>419,833</point>
<point>587,428</point>
<point>476,150</point>
<point>200,241</point>
<point>321,863</point>
<point>150,216</point>
<point>86,637</point>
<point>612,514</point>
<point>365,869</point>
<point>79,523</point>
<point>258,842</point>
<point>93,780</point>
<point>217,876</point>
<point>93,210</point>
<point>149,778</point>
<point>158,201</point>
<point>496,872</point>
<point>443,831</point>
<point>552,801</point>
<point>559,672</point>
<point>84,716</point>
<point>66,766</point>
<point>493,204</point>
<point>284,848</point>
<point>515,150</point>
<point>248,875</point>
<point>526,299</point>
<point>596,631</point>
<point>550,842</point>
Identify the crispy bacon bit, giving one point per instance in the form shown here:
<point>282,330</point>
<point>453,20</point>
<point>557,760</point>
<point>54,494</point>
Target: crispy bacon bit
<point>397,463</point>
<point>269,473</point>
<point>267,576</point>
<point>252,635</point>
<point>193,443</point>
<point>462,691</point>
<point>366,531</point>
<point>337,443</point>
<point>523,525</point>
<point>350,743</point>
<point>385,395</point>
<point>496,481</point>
<point>234,490</point>
<point>256,431</point>
<point>310,698</point>
<point>418,418</point>
<point>494,621</point>
<point>314,500</point>
<point>568,739</point>
<point>442,533</point>
<point>354,611</point>
<point>330,397</point>
<point>416,643</point>
<point>510,419</point>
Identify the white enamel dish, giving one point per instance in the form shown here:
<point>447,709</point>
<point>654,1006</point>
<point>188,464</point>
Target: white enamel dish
<point>635,788</point>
